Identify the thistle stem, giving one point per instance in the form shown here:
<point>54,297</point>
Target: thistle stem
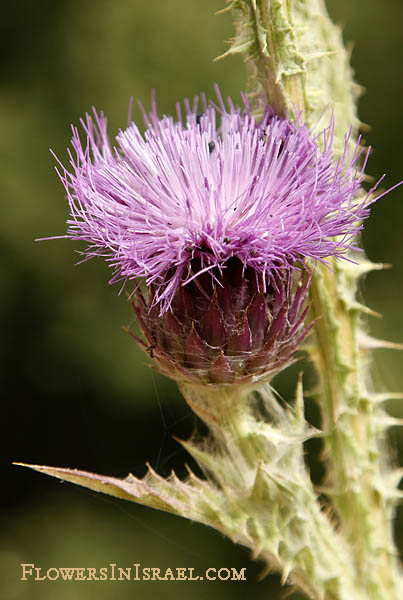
<point>353,436</point>
<point>260,466</point>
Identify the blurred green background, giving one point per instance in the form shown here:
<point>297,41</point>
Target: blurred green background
<point>75,389</point>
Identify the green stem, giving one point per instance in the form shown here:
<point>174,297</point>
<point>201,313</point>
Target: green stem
<point>353,437</point>
<point>259,462</point>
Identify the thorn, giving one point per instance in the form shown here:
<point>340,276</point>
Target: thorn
<point>265,571</point>
<point>227,53</point>
<point>367,342</point>
<point>189,470</point>
<point>299,399</point>
<point>181,442</point>
<point>384,396</point>
<point>235,50</point>
<point>389,421</point>
<point>365,266</point>
<point>140,342</point>
<point>365,309</point>
<point>364,126</point>
<point>223,10</point>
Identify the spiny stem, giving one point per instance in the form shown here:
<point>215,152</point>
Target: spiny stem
<point>353,435</point>
<point>259,462</point>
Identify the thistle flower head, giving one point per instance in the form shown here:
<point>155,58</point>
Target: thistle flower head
<point>197,202</point>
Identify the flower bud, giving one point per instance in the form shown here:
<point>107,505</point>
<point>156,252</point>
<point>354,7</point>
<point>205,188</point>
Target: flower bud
<point>224,327</point>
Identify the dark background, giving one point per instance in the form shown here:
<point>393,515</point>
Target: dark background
<point>75,389</point>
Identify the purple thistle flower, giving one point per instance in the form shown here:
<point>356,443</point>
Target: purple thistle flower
<point>192,202</point>
<point>263,192</point>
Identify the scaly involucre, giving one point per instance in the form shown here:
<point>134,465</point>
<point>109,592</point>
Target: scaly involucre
<point>193,190</point>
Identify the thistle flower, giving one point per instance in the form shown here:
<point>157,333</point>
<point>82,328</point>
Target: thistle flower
<point>221,221</point>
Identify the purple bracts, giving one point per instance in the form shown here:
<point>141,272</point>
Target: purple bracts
<point>211,186</point>
<point>233,333</point>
